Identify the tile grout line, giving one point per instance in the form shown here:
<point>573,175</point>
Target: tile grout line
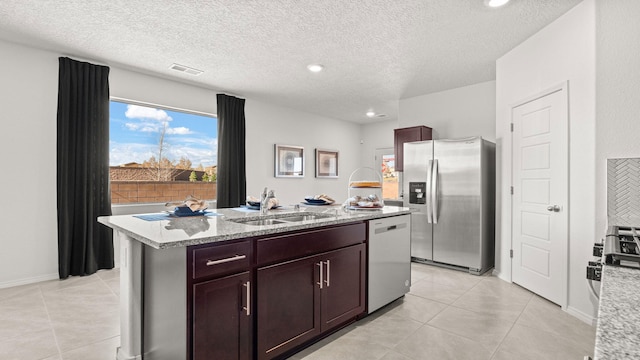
<point>53,330</point>
<point>109,287</point>
<point>511,328</point>
<point>63,290</point>
<point>462,336</point>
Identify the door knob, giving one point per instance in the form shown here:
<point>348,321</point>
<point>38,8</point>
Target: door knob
<point>554,208</point>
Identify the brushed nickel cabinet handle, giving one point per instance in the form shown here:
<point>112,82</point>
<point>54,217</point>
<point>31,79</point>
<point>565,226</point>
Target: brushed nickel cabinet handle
<point>226,260</point>
<point>328,272</point>
<point>321,274</point>
<point>248,307</point>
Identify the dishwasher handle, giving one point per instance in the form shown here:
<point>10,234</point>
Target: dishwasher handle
<point>384,229</point>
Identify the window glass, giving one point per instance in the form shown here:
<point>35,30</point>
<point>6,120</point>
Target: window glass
<point>159,155</point>
<point>390,177</point>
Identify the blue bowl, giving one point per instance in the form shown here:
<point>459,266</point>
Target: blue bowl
<point>315,201</point>
<point>183,210</point>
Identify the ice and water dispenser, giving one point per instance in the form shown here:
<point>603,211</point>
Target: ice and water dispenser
<point>417,193</point>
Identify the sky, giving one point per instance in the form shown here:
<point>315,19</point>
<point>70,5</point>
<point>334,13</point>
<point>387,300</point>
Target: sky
<point>134,134</point>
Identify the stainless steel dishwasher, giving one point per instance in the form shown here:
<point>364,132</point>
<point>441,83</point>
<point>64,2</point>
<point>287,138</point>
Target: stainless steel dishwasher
<point>389,260</point>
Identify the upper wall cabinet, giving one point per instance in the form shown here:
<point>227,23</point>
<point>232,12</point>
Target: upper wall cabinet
<point>409,134</point>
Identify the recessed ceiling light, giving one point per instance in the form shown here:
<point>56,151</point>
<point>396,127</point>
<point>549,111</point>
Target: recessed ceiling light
<point>495,3</point>
<point>371,114</point>
<point>315,67</point>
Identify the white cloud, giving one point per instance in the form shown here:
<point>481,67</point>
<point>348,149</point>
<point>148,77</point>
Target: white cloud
<point>124,153</point>
<point>132,126</point>
<point>179,131</point>
<point>149,128</point>
<point>143,112</point>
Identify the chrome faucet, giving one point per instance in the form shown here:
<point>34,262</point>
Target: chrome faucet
<point>264,200</point>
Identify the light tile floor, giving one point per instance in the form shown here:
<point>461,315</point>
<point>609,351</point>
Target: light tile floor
<point>447,315</point>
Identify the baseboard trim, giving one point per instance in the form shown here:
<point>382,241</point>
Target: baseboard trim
<point>31,280</point>
<point>582,316</point>
<point>500,275</point>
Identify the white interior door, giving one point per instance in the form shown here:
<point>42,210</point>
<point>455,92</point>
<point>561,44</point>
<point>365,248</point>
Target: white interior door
<point>540,195</point>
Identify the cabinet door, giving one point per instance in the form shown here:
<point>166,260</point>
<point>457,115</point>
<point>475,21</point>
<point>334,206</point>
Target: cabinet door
<point>288,310</point>
<point>343,290</point>
<point>410,134</point>
<point>221,322</point>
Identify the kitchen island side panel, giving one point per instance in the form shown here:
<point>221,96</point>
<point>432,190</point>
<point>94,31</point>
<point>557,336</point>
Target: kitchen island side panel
<point>165,304</point>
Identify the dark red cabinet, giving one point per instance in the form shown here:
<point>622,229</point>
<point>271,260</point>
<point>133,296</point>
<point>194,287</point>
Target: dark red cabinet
<point>288,309</point>
<point>222,318</point>
<point>408,134</point>
<point>220,313</point>
<point>301,299</point>
<point>343,293</point>
<point>266,296</point>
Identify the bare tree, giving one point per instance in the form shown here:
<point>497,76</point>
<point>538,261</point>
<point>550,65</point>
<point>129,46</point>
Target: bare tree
<point>184,163</point>
<point>161,168</point>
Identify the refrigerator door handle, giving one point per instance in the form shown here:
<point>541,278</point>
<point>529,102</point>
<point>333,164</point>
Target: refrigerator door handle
<point>434,192</point>
<point>429,200</point>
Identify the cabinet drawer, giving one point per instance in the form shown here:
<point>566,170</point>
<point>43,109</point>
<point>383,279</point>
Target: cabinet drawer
<point>285,247</point>
<point>221,259</point>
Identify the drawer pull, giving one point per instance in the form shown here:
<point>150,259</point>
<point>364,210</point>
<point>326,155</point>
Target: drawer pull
<point>226,260</point>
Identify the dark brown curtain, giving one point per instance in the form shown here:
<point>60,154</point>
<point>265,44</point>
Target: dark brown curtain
<point>231,181</point>
<point>84,245</point>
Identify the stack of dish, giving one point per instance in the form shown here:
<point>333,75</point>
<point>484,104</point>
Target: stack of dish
<point>321,199</point>
<point>186,211</point>
<point>191,206</point>
<point>371,202</point>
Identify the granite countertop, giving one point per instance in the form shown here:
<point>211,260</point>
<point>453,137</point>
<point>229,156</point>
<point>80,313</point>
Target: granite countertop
<point>618,330</point>
<point>171,232</point>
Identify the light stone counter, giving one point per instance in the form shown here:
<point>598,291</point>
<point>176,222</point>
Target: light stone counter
<point>193,230</point>
<point>618,330</point>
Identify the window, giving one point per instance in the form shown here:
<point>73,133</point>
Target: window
<point>385,160</point>
<point>159,155</point>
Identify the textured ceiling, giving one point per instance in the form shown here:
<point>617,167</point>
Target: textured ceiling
<point>375,51</point>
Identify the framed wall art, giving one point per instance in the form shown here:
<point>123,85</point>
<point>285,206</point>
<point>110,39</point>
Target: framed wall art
<point>289,161</point>
<point>326,163</point>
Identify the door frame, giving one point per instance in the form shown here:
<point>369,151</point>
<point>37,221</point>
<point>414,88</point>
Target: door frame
<point>563,88</point>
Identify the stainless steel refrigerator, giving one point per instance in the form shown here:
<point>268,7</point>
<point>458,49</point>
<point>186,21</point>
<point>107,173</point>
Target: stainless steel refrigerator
<point>450,185</point>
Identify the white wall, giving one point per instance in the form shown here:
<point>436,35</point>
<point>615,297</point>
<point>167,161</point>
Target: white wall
<point>378,135</point>
<point>268,125</point>
<point>28,92</point>
<point>564,50</point>
<point>618,83</point>
<point>29,99</point>
<point>145,88</point>
<point>456,113</point>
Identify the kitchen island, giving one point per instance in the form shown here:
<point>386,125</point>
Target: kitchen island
<point>266,286</point>
<point>618,330</point>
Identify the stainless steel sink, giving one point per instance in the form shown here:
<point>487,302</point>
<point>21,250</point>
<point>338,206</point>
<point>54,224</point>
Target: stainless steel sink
<point>281,219</point>
<point>297,218</point>
<point>259,222</point>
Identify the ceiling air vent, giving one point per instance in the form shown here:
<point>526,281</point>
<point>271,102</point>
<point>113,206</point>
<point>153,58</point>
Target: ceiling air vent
<point>186,69</point>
